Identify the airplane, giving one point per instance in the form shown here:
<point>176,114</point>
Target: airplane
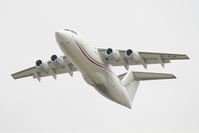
<point>95,65</point>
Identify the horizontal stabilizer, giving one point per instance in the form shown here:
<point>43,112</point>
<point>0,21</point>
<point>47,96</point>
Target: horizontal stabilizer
<point>148,76</point>
<point>152,76</point>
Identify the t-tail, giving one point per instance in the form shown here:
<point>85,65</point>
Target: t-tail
<point>130,80</point>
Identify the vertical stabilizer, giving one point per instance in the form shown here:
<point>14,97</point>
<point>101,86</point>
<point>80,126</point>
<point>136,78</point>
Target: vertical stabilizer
<point>131,84</point>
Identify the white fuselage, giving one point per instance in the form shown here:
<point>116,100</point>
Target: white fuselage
<point>94,71</point>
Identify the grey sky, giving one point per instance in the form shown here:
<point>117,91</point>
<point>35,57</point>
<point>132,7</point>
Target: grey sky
<point>69,104</point>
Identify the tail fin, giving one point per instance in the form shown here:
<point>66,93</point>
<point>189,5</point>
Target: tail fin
<point>130,83</point>
<point>130,80</point>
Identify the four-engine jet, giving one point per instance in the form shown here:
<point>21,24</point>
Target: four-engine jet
<point>95,66</point>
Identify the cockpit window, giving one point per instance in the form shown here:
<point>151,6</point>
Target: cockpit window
<point>71,31</point>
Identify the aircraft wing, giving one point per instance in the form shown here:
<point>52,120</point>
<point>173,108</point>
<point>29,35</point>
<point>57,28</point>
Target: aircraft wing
<point>119,58</point>
<point>50,69</point>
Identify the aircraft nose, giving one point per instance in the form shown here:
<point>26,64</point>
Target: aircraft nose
<point>60,36</point>
<point>57,34</point>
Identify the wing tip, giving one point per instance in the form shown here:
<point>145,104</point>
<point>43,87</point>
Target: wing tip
<point>187,57</point>
<point>173,76</point>
<point>13,76</point>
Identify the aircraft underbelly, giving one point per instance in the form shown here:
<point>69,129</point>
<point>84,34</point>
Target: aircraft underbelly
<point>102,80</point>
<point>98,76</point>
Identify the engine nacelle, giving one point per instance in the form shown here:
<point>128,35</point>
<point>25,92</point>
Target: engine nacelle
<point>112,54</point>
<point>129,53</point>
<point>42,67</point>
<point>109,52</point>
<point>134,57</point>
<point>57,61</point>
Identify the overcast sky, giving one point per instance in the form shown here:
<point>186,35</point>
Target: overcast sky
<point>70,105</point>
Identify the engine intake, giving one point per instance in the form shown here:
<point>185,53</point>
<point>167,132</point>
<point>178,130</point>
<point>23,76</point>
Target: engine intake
<point>57,61</point>
<point>129,52</point>
<point>38,63</point>
<point>42,67</point>
<point>53,58</point>
<point>112,54</point>
<point>132,56</point>
<point>109,51</point>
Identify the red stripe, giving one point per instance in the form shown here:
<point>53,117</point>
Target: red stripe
<point>87,56</point>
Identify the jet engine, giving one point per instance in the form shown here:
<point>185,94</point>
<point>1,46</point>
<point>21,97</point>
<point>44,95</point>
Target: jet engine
<point>57,61</point>
<point>134,57</point>
<point>61,63</point>
<point>112,54</point>
<point>42,67</point>
<point>129,53</point>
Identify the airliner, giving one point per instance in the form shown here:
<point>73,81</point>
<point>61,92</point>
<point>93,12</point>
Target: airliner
<point>95,65</point>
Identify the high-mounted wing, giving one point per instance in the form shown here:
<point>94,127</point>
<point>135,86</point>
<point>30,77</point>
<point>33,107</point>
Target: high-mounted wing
<point>57,65</point>
<point>128,57</point>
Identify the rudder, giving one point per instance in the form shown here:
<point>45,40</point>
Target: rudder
<point>130,83</point>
